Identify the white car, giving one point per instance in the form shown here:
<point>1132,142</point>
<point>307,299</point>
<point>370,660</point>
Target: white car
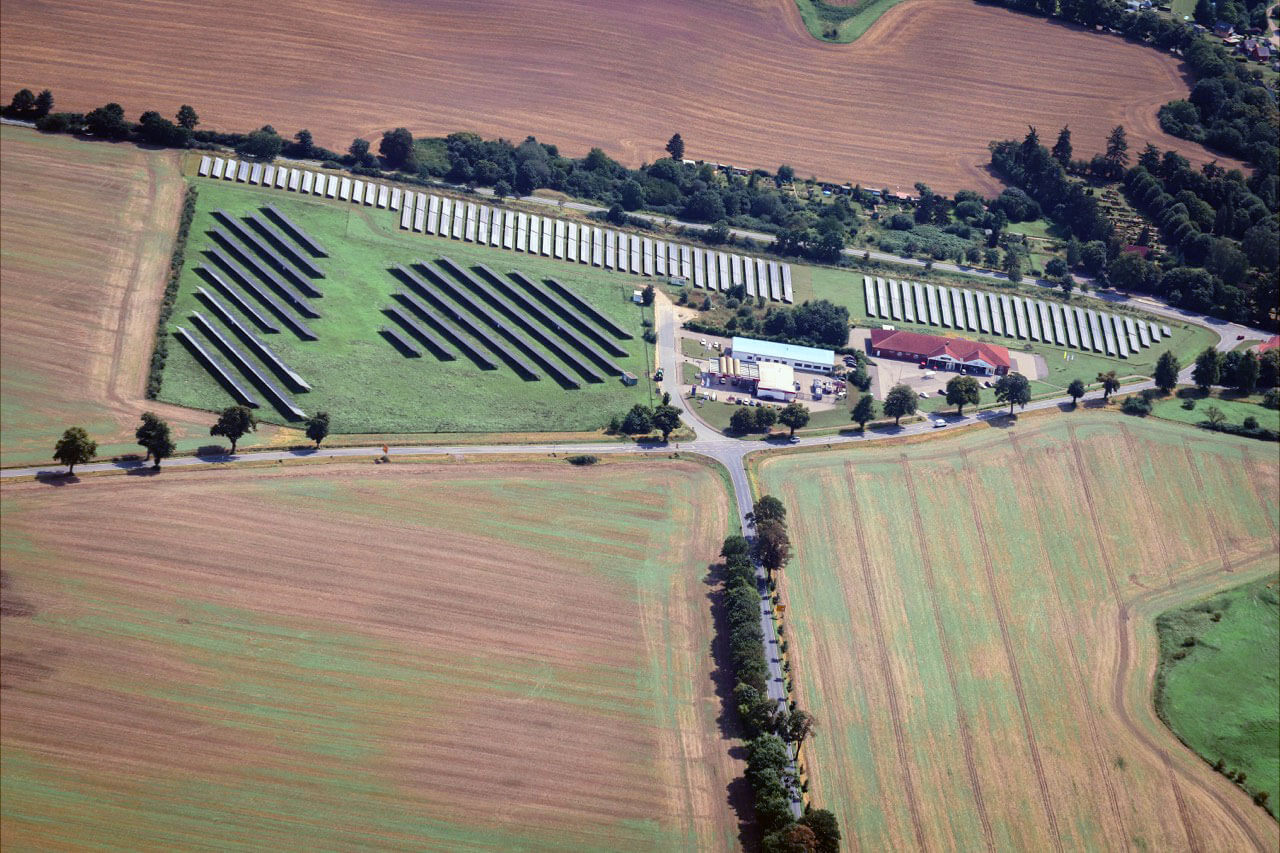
<point>939,423</point>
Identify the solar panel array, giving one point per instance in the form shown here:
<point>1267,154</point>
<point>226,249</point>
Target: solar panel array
<point>533,327</point>
<point>1010,316</point>
<point>259,267</point>
<point>578,243</point>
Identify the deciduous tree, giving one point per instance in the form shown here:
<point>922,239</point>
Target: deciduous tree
<point>900,402</point>
<point>667,419</point>
<point>1013,388</point>
<point>187,117</point>
<point>773,545</point>
<point>74,447</point>
<point>1208,369</point>
<point>768,508</point>
<point>154,436</point>
<point>396,149</point>
<point>795,415</point>
<point>1110,384</point>
<point>1215,416</point>
<point>318,427</point>
<point>1076,391</point>
<point>863,411</point>
<point>825,826</point>
<point>234,423</point>
<point>962,391</point>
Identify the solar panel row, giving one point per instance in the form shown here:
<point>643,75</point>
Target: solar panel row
<point>576,243</point>
<point>248,368</point>
<point>1010,316</point>
<point>249,283</point>
<point>217,368</point>
<point>266,252</point>
<point>255,343</point>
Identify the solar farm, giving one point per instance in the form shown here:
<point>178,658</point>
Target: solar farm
<point>293,303</point>
<point>564,240</point>
<point>1011,316</point>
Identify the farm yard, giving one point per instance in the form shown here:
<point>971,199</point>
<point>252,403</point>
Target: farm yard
<point>217,656</point>
<point>393,331</point>
<point>975,620</point>
<point>622,76</point>
<point>1090,338</point>
<point>110,211</point>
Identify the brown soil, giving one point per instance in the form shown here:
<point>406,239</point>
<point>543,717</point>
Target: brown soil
<point>87,233</point>
<point>917,98</point>
<point>456,648</point>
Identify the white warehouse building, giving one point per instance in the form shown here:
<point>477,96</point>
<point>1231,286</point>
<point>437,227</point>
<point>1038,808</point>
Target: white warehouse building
<point>801,358</point>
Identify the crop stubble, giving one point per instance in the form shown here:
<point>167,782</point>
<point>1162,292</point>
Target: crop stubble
<point>917,98</point>
<point>87,231</point>
<point>1073,569</point>
<point>462,658</point>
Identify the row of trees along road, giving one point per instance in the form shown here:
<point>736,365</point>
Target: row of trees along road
<point>769,729</point>
<point>154,435</point>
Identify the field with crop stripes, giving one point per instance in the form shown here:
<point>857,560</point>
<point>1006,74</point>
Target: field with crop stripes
<point>973,625</point>
<point>434,656</point>
<point>86,232</point>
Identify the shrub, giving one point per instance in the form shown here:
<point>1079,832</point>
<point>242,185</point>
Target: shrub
<point>582,459</point>
<point>160,353</point>
<point>1136,405</point>
<point>1189,403</point>
<point>1250,422</point>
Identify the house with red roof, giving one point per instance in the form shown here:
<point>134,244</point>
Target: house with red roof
<point>1269,344</point>
<point>958,354</point>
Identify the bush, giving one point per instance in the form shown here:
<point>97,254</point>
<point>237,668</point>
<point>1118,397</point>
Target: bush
<point>1136,405</point>
<point>582,459</point>
<point>1271,399</point>
<point>1250,422</point>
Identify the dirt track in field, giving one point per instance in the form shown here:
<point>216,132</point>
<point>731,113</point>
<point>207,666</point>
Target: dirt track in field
<point>990,600</point>
<point>917,98</point>
<point>449,656</point>
<point>86,231</point>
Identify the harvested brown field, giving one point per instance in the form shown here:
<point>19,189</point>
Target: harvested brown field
<point>412,656</point>
<point>917,98</point>
<point>973,624</point>
<point>86,231</point>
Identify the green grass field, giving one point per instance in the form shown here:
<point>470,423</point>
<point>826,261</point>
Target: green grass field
<point>956,612</point>
<point>363,381</point>
<point>848,21</point>
<point>1216,686</point>
<point>1171,408</point>
<point>229,668</point>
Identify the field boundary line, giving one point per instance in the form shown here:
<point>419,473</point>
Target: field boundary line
<point>962,719</point>
<point>1025,472</point>
<point>882,649</point>
<point>988,567</point>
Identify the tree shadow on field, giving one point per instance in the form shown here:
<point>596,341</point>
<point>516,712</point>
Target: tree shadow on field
<point>56,478</point>
<point>738,792</point>
<point>213,453</point>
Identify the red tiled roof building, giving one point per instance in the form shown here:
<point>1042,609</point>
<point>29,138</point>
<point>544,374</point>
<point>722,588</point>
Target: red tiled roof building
<point>940,353</point>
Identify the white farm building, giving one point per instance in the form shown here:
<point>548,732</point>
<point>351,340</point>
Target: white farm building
<point>811,359</point>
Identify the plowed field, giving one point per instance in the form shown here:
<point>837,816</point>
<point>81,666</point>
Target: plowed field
<point>917,98</point>
<point>974,623</point>
<point>86,232</point>
<point>460,657</point>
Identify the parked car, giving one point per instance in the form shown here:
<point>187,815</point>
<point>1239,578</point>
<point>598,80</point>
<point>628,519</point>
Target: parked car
<point>924,395</point>
<point>657,376</point>
<point>702,341</point>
